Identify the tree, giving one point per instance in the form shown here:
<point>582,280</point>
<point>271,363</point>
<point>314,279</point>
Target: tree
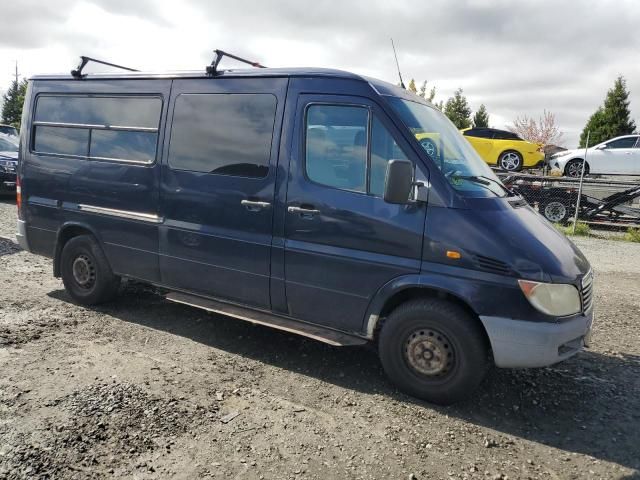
<point>544,131</point>
<point>612,119</point>
<point>423,90</point>
<point>458,110</point>
<point>481,118</point>
<point>412,86</point>
<point>13,101</point>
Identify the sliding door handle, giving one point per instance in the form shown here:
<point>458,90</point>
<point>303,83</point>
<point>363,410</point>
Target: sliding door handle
<point>254,205</point>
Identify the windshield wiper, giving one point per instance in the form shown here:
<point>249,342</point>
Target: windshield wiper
<point>483,180</point>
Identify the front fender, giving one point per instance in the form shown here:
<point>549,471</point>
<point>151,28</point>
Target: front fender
<point>429,282</point>
<point>483,293</point>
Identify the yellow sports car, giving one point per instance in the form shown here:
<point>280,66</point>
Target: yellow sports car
<point>504,149</point>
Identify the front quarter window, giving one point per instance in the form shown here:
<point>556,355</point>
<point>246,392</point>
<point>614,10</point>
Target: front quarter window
<point>448,149</point>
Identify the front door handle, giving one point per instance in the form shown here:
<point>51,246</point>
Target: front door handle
<point>254,205</point>
<point>304,212</point>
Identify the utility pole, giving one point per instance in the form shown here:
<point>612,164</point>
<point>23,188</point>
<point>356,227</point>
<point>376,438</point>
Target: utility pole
<point>16,74</point>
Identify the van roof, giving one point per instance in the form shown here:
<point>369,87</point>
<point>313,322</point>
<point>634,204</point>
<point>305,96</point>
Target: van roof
<point>235,72</point>
<point>384,88</point>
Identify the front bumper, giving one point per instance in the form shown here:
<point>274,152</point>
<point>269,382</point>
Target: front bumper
<point>7,183</point>
<point>522,344</point>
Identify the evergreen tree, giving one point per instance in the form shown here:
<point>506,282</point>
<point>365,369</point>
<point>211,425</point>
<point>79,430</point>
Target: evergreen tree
<point>481,118</point>
<point>458,110</point>
<point>412,86</point>
<point>612,119</point>
<point>13,100</point>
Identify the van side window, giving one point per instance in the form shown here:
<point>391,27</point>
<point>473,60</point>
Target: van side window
<point>336,146</point>
<point>338,154</point>
<point>99,127</point>
<point>383,149</point>
<point>225,134</point>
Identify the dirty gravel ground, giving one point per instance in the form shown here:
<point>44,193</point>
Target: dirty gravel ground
<point>143,388</point>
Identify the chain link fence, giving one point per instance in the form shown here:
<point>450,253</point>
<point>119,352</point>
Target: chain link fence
<point>606,201</point>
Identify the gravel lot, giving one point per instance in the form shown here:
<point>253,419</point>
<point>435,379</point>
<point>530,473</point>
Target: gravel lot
<point>143,388</point>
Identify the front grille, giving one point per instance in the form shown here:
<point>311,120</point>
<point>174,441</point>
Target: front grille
<point>587,292</point>
<point>492,265</point>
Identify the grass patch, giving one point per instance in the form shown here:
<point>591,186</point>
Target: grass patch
<point>582,229</point>
<point>632,235</point>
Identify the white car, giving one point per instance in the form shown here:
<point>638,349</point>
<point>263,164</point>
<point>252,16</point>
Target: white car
<point>618,156</point>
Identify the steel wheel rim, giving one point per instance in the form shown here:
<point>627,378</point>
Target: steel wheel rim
<point>429,353</point>
<point>429,147</point>
<point>84,271</point>
<point>555,211</point>
<point>510,161</point>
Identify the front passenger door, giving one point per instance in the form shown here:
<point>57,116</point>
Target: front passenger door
<point>343,242</point>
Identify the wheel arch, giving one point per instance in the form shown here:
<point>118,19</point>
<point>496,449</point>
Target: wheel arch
<point>65,233</point>
<point>407,288</point>
<point>509,149</point>
<point>576,159</point>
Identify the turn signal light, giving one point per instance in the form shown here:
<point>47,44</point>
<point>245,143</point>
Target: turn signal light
<point>453,254</point>
<point>19,197</point>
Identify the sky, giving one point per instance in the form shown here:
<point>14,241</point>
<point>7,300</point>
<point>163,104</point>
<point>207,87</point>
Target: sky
<point>517,58</point>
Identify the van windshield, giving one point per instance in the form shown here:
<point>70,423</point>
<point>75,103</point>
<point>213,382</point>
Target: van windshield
<point>449,150</point>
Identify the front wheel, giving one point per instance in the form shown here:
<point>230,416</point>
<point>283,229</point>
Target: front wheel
<point>434,350</point>
<point>573,169</point>
<point>86,273</point>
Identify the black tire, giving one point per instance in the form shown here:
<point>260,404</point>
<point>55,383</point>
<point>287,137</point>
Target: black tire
<point>86,273</point>
<point>415,324</point>
<point>510,161</point>
<point>556,210</point>
<point>573,168</point>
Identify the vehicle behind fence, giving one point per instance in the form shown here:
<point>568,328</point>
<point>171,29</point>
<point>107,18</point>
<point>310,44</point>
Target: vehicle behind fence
<point>607,201</point>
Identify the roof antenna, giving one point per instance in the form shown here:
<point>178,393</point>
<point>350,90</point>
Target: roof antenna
<point>397,64</point>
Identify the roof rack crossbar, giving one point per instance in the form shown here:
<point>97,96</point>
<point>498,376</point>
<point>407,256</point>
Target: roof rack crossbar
<point>213,68</point>
<point>77,72</point>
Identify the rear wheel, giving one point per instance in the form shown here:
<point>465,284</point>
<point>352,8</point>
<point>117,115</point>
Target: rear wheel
<point>434,350</point>
<point>429,147</point>
<point>86,273</point>
<point>510,161</point>
<point>556,211</point>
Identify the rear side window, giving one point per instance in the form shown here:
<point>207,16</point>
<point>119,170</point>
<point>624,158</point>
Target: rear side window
<point>121,128</point>
<point>504,135</point>
<point>224,134</point>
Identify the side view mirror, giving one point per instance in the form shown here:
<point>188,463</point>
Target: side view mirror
<point>604,146</point>
<point>398,182</point>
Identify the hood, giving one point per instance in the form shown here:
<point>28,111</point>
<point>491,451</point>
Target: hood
<point>506,236</point>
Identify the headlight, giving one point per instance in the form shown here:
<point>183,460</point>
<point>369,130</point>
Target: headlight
<point>556,299</point>
<point>561,154</point>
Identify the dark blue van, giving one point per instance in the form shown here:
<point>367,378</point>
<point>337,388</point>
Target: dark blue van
<point>300,199</point>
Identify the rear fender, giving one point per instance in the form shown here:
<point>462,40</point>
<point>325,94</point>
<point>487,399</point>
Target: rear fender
<point>67,231</point>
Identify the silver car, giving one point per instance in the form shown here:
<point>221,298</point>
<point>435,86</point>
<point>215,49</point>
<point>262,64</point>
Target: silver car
<point>618,156</point>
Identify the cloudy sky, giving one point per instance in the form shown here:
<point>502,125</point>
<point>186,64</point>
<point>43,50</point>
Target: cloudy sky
<point>518,58</point>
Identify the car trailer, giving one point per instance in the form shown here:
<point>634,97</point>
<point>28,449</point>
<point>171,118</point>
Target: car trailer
<point>556,198</point>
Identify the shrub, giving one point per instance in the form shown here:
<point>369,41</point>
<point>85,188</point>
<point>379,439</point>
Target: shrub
<point>582,229</point>
<point>632,235</point>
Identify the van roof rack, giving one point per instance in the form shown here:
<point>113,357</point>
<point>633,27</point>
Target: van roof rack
<point>77,72</point>
<point>213,68</point>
